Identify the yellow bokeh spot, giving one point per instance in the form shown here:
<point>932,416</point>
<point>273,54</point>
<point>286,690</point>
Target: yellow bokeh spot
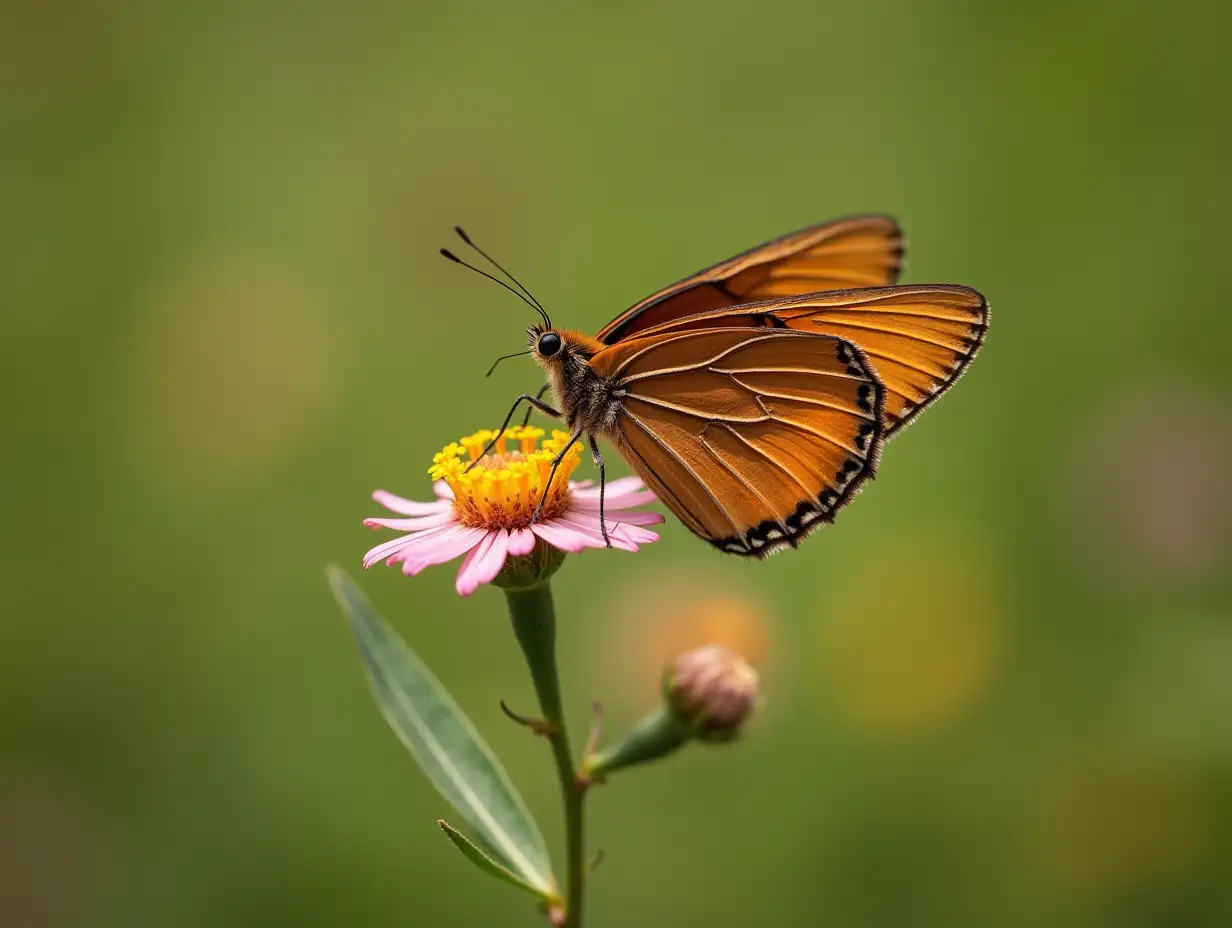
<point>911,636</point>
<point>662,618</point>
<point>502,487</point>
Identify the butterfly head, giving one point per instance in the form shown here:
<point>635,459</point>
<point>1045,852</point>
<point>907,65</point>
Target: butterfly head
<point>555,348</point>
<point>565,357</point>
<point>544,343</point>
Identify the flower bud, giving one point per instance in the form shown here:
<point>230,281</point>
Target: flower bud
<point>712,691</point>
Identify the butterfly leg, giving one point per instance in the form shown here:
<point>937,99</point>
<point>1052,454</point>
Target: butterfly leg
<point>524,398</point>
<point>597,457</point>
<point>542,390</point>
<point>560,456</point>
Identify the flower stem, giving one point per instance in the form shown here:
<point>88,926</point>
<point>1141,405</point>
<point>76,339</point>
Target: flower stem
<point>655,736</point>
<point>534,624</point>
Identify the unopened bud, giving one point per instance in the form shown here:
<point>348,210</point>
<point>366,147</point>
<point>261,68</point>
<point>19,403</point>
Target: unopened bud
<point>712,691</point>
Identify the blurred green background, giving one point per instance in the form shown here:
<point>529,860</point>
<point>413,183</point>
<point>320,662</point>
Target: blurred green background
<point>999,690</point>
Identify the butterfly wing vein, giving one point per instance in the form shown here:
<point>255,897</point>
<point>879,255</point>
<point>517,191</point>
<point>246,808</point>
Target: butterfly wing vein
<point>918,339</point>
<point>753,437</point>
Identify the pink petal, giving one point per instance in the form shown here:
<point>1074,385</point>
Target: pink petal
<point>621,487</point>
<point>427,536</point>
<point>419,524</point>
<point>562,536</point>
<point>393,549</point>
<point>623,518</point>
<point>494,559</point>
<point>441,489</point>
<point>590,529</point>
<point>614,503</point>
<point>444,547</point>
<point>407,507</point>
<point>466,563</point>
<point>388,548</point>
<point>483,563</point>
<point>521,542</point>
<point>640,518</point>
<point>639,536</point>
<point>620,528</point>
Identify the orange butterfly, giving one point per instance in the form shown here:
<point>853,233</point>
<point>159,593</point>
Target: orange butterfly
<point>754,397</point>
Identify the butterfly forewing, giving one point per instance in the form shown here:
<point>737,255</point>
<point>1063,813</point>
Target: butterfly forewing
<point>861,251</point>
<point>753,437</point>
<point>918,339</point>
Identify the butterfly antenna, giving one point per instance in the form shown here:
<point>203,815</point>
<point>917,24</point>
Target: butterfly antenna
<point>504,357</point>
<point>496,264</point>
<point>454,258</point>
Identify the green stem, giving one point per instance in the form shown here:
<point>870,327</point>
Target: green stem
<point>534,624</point>
<point>657,735</point>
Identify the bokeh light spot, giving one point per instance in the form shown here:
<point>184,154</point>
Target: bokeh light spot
<point>1147,502</point>
<point>662,617</point>
<point>233,362</point>
<point>58,52</point>
<point>53,855</point>
<point>912,635</point>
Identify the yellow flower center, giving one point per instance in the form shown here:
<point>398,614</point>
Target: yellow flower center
<point>502,489</point>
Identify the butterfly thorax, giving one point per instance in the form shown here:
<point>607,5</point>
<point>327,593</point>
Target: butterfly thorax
<point>588,401</point>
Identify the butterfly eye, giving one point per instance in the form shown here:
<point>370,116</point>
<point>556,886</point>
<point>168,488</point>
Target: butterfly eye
<point>549,344</point>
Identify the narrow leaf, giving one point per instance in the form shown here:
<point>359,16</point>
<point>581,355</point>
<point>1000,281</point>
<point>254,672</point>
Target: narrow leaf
<point>483,861</point>
<point>444,743</point>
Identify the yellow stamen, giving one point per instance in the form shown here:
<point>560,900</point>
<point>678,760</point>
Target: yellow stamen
<point>502,489</point>
<point>474,444</point>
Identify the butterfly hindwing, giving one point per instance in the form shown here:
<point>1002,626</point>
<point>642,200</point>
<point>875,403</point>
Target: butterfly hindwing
<point>753,437</point>
<point>918,339</point>
<point>859,251</point>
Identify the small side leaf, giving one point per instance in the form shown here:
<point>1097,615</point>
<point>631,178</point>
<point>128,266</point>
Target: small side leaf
<point>483,861</point>
<point>445,744</point>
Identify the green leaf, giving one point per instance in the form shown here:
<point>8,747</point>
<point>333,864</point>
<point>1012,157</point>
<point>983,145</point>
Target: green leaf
<point>483,861</point>
<point>445,744</point>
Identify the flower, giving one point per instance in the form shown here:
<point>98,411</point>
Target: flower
<point>484,507</point>
<point>712,691</point>
<point>708,695</point>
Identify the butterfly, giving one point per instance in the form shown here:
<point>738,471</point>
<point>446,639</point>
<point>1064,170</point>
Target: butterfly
<point>754,397</point>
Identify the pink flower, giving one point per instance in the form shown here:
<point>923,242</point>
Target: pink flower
<point>484,507</point>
